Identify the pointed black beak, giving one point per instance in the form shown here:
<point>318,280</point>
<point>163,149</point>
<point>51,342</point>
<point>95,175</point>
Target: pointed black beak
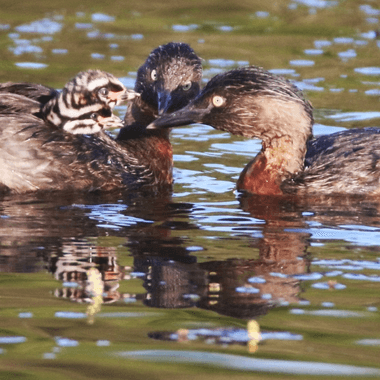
<point>164,102</point>
<point>185,116</point>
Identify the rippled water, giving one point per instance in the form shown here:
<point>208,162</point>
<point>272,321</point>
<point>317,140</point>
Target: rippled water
<point>90,285</point>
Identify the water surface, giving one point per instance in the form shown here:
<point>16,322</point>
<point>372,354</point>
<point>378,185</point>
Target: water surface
<point>201,277</point>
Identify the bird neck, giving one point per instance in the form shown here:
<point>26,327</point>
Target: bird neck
<point>151,148</point>
<point>140,112</point>
<point>152,152</point>
<point>280,159</point>
<point>49,112</point>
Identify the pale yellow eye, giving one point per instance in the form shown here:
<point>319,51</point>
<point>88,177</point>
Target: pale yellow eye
<point>217,101</point>
<point>153,75</point>
<point>187,86</point>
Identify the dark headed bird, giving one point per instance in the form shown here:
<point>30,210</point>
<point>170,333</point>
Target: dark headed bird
<point>255,103</point>
<point>44,159</point>
<point>167,81</point>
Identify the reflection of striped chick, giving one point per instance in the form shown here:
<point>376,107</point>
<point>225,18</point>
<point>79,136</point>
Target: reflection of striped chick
<point>85,103</point>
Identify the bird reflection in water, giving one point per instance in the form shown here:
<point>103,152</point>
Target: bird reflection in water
<point>90,274</point>
<point>173,276</point>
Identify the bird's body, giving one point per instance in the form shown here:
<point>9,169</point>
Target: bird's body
<point>35,154</point>
<point>35,158</point>
<point>257,104</point>
<point>167,81</point>
<point>343,162</point>
<point>47,137</point>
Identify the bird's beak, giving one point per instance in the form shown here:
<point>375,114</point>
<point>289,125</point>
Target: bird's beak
<point>122,96</point>
<point>185,116</point>
<point>112,121</point>
<point>164,100</point>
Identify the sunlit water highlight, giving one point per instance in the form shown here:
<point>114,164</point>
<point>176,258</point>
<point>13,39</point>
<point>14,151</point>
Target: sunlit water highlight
<point>250,364</point>
<point>207,249</point>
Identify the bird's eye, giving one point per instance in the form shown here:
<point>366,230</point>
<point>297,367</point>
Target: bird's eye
<point>153,75</point>
<point>94,116</point>
<point>218,101</point>
<point>186,86</point>
<point>103,91</point>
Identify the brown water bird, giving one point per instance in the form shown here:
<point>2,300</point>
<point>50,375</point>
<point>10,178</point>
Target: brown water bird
<point>39,158</point>
<point>254,103</point>
<point>167,81</point>
<point>42,134</point>
<point>74,108</point>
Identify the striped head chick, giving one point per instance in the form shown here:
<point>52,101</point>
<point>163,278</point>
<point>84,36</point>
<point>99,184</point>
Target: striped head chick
<point>85,101</point>
<point>96,86</point>
<point>92,122</point>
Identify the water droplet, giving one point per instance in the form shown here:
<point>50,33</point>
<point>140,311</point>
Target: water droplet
<point>25,315</point>
<point>373,92</point>
<point>308,277</point>
<point>137,36</point>
<point>44,26</point>
<point>184,28</point>
<point>368,10</point>
<point>262,14</point>
<point>221,62</point>
<point>322,43</point>
<point>327,285</point>
<point>368,342</point>
<point>59,51</point>
<point>103,343</point>
<point>49,355</point>
<point>343,40</point>
<point>313,51</point>
<point>317,3</point>
<point>65,342</point>
<point>282,71</point>
<point>257,280</point>
<point>297,311</point>
<point>328,304</point>
<point>83,25</point>
<point>26,49</point>
<point>280,275</point>
<point>247,289</point>
<point>225,28</point>
<point>69,315</point>
<point>301,62</point>
<point>12,339</point>
<point>101,17</point>
<point>31,65</point>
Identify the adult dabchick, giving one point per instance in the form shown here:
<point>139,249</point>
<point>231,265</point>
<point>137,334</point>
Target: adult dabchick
<point>167,81</point>
<point>138,157</point>
<point>38,149</point>
<point>255,103</point>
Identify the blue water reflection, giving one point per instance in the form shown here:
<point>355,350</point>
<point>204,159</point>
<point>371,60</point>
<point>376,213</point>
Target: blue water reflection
<point>249,364</point>
<point>209,256</point>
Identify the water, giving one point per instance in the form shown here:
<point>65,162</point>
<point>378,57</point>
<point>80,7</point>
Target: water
<point>202,277</point>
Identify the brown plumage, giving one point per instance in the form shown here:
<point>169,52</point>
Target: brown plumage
<point>255,103</point>
<point>38,158</point>
<point>167,81</point>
